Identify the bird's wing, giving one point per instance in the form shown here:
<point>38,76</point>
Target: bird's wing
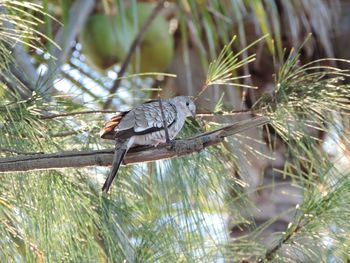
<point>108,131</point>
<point>149,117</point>
<point>144,119</point>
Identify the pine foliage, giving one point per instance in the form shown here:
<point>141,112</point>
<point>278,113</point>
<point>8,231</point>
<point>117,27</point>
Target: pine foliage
<point>174,210</point>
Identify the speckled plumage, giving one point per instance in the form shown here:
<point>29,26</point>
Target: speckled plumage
<point>143,125</point>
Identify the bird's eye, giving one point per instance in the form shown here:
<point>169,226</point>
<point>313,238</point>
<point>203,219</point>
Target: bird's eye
<point>187,103</point>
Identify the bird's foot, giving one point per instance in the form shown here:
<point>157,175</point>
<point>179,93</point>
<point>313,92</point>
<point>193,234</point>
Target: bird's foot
<point>171,144</point>
<point>158,141</point>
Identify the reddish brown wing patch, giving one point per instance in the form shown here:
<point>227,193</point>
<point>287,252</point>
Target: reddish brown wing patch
<point>107,132</point>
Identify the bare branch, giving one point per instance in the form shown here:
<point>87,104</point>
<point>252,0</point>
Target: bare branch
<point>200,114</point>
<point>131,51</point>
<point>135,155</point>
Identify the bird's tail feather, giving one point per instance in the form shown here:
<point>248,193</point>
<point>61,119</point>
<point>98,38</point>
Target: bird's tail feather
<point>117,159</point>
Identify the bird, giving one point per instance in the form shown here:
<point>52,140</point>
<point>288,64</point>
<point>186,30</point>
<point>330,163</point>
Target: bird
<point>144,125</point>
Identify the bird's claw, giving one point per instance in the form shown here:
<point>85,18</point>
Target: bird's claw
<point>157,142</point>
<point>171,144</point>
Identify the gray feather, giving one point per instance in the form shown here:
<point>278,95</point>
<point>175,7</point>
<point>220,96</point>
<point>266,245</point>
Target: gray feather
<point>119,153</point>
<point>144,125</point>
<point>147,116</point>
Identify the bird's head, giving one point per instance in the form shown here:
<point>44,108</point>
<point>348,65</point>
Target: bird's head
<point>186,104</point>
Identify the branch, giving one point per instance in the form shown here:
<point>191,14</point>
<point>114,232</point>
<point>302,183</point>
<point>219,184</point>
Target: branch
<point>270,254</point>
<point>200,114</point>
<point>135,155</point>
<point>131,51</point>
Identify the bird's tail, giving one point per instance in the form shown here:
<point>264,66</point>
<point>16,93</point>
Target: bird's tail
<point>117,159</point>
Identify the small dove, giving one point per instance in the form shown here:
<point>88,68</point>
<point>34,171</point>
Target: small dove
<point>144,125</point>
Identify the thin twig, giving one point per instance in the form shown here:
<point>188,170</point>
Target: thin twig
<point>18,152</point>
<point>131,51</point>
<point>270,254</point>
<point>68,133</point>
<point>226,113</point>
<point>165,125</point>
<point>135,155</point>
<point>61,115</point>
<point>200,114</point>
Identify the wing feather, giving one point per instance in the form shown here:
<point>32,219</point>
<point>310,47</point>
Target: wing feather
<point>145,118</point>
<point>108,131</point>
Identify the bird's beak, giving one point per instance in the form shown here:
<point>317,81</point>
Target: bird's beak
<point>193,114</point>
